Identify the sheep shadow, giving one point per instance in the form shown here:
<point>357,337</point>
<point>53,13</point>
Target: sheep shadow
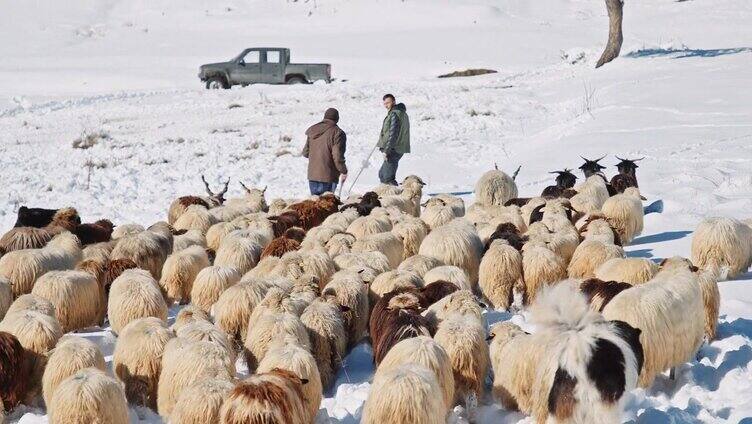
<point>640,253</point>
<point>660,237</point>
<point>710,378</point>
<point>739,326</point>
<point>686,52</point>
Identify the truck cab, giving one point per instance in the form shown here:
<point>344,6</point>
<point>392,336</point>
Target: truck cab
<point>262,65</point>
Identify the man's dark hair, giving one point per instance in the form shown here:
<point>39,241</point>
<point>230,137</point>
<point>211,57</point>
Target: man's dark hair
<point>389,96</point>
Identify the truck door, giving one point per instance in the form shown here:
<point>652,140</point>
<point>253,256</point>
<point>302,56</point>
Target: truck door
<point>273,67</point>
<point>247,70</point>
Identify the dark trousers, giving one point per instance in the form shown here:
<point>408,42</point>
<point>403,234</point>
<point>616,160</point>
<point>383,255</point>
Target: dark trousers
<point>318,187</point>
<point>388,171</point>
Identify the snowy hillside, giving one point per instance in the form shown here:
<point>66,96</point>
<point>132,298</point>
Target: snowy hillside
<point>123,72</point>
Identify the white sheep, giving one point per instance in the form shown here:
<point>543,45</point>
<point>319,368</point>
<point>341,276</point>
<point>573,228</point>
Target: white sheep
<point>461,302</point>
<point>238,252</point>
<point>180,270</point>
<point>186,362</point>
<point>38,333</point>
<point>456,243</point>
<point>148,249</point>
<point>387,243</point>
<point>450,273</point>
<point>127,230</point>
<point>495,188</point>
<point>89,396</point>
<point>376,261</point>
<point>624,212</point>
<point>272,326</point>
<point>295,264</point>
<point>218,232</point>
<point>76,295</point>
<point>419,264</point>
<point>6,297</point>
<point>423,351</point>
<point>627,270</point>
<point>590,255</point>
<point>134,294</point>
<point>32,302</point>
<point>371,224</point>
<point>723,245</point>
<point>188,239</point>
<point>200,402</point>
<point>339,244</point>
<point>137,360</point>
<point>669,311</point>
<point>405,395</point>
<point>195,217</point>
<point>392,280</point>
<point>210,283</point>
<point>411,232</point>
<point>328,335</point>
<point>500,272</point>
<point>541,267</point>
<point>233,309</point>
<point>464,340</point>
<point>437,213</point>
<point>288,355</point>
<point>456,203</point>
<point>70,355</point>
<point>351,292</point>
<point>23,267</point>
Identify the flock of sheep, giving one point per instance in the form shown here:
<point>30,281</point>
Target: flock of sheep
<point>291,286</point>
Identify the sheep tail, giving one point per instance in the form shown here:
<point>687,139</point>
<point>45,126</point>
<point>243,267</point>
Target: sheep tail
<point>562,308</point>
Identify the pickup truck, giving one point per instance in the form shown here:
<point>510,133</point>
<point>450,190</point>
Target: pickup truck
<point>262,65</point>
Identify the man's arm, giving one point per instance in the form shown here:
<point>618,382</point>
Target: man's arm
<point>394,129</point>
<point>338,152</point>
<point>307,147</point>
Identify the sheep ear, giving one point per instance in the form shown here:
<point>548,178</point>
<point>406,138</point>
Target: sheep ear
<point>490,337</point>
<point>263,190</point>
<point>482,305</point>
<point>663,262</point>
<point>693,268</point>
<point>344,308</point>
<point>304,381</point>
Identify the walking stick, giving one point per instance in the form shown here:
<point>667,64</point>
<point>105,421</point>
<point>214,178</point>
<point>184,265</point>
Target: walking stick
<point>362,168</point>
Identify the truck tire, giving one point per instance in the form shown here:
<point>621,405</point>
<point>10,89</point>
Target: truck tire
<point>296,80</point>
<point>215,83</point>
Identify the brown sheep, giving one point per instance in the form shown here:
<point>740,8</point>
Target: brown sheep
<point>313,212</point>
<point>287,242</point>
<point>397,317</point>
<point>98,232</point>
<point>15,371</point>
<point>436,291</point>
<point>273,397</point>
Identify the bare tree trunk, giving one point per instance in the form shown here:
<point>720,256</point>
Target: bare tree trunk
<point>615,36</point>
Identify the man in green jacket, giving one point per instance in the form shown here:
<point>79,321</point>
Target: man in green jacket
<point>394,140</point>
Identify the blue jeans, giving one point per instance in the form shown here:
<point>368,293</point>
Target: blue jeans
<point>388,171</point>
<point>317,187</point>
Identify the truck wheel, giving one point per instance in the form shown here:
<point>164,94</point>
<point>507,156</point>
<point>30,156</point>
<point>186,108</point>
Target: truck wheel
<point>296,80</point>
<point>215,83</point>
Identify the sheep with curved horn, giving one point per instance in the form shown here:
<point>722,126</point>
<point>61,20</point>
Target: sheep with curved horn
<point>627,176</point>
<point>219,197</point>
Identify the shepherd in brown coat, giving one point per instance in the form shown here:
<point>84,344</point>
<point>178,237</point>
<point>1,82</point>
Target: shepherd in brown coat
<point>325,150</point>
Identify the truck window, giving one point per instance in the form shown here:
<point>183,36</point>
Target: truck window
<point>272,56</point>
<point>252,56</point>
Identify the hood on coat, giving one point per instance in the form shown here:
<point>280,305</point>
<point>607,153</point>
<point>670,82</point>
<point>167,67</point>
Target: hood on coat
<point>317,129</point>
<point>401,106</point>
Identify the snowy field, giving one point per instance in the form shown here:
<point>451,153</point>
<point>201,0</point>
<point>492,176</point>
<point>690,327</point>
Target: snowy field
<point>680,95</point>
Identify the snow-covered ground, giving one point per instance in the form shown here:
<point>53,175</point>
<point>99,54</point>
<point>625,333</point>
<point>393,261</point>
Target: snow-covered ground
<point>680,95</point>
